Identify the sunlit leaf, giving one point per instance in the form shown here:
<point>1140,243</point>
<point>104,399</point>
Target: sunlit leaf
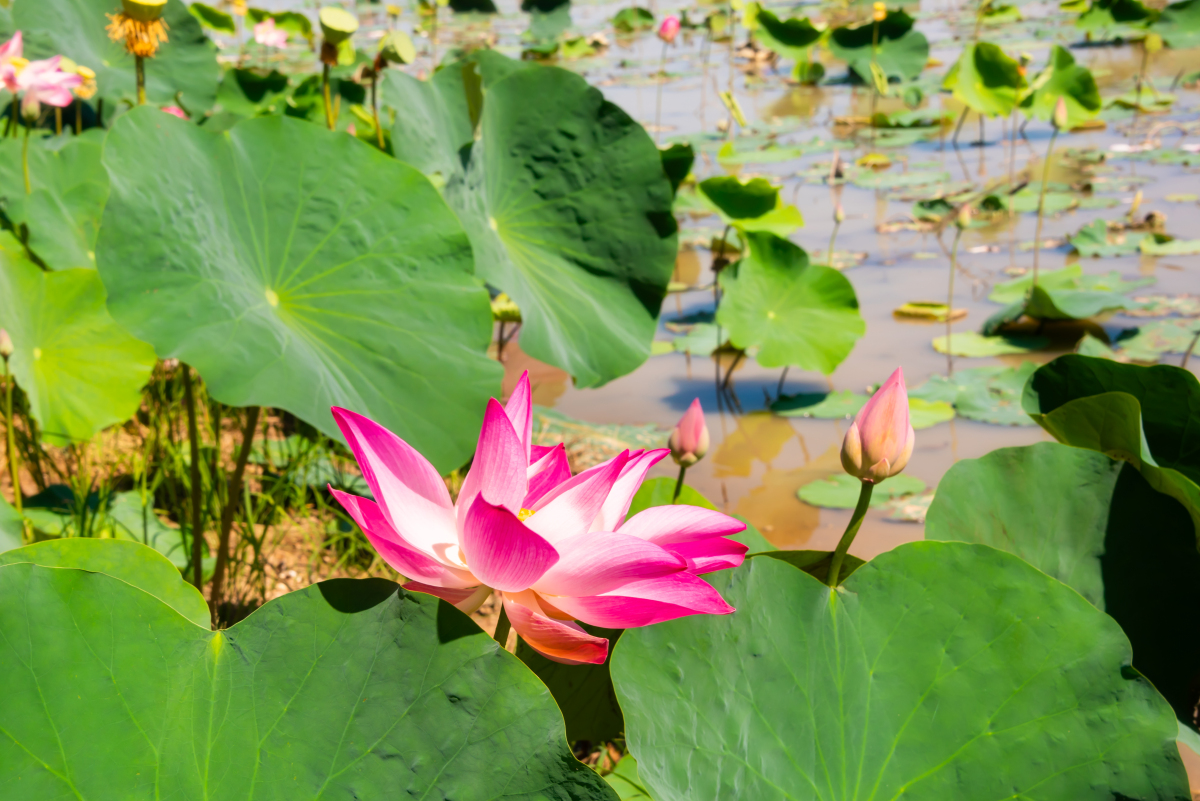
<point>1062,77</point>
<point>901,52</point>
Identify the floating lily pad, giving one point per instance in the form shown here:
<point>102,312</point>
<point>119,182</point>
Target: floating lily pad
<point>771,154</point>
<point>926,414</point>
<point>1065,294</point>
<point>986,394</point>
<point>1095,239</point>
<point>702,339</point>
<point>928,310</point>
<point>975,345</point>
<point>1163,305</point>
<point>551,427</point>
<point>1149,342</point>
<point>821,405</point>
<point>1163,246</point>
<point>910,508</point>
<point>840,491</point>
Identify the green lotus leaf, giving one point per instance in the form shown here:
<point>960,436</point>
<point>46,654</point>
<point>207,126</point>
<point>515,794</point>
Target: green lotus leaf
<point>738,200</point>
<point>790,37</point>
<point>677,160</point>
<point>1147,343</point>
<point>62,214</point>
<point>973,345</point>
<point>288,282</point>
<point>793,312</point>
<point>131,562</point>
<point>290,21</point>
<point>1065,294</point>
<point>184,71</point>
<point>80,370</point>
<point>1157,245</point>
<point>1115,17</point>
<point>901,54</point>
<point>1095,524</point>
<point>213,18</point>
<point>1179,24</point>
<point>250,92</point>
<point>840,491</point>
<point>940,670</point>
<point>1141,415</point>
<point>632,19</point>
<point>12,526</point>
<point>1094,239</point>
<point>345,688</point>
<point>987,394</point>
<point>986,79</point>
<point>821,405</point>
<point>133,520</point>
<point>624,779</point>
<point>1062,77</point>
<point>566,203</point>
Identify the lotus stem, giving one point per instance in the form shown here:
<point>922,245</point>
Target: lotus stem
<point>375,109</point>
<point>957,128</point>
<point>502,626</point>
<point>78,116</point>
<point>231,500</point>
<point>194,474</point>
<point>839,555</point>
<point>58,121</point>
<point>679,484</point>
<point>950,302</point>
<point>14,465</point>
<point>433,66</point>
<point>662,76</point>
<point>832,239</point>
<point>25,157</point>
<point>1188,354</point>
<point>11,127</point>
<point>140,70</point>
<point>874,88</point>
<point>782,378</point>
<point>1037,237</point>
<point>328,99</point>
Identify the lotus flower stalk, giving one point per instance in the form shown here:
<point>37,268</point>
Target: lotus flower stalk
<point>14,466</point>
<point>139,25</point>
<point>1059,121</point>
<point>554,548</point>
<point>876,447</point>
<point>667,32</point>
<point>688,442</point>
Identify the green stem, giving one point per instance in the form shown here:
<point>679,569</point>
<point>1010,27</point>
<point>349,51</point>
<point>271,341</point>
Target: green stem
<point>25,157</point>
<point>502,625</point>
<point>679,484</point>
<point>1182,364</point>
<point>860,511</point>
<point>832,240</point>
<point>197,511</point>
<point>11,438</point>
<point>950,301</point>
<point>231,501</point>
<point>328,99</point>
<point>1037,238</point>
<point>375,110</point>
<point>140,68</point>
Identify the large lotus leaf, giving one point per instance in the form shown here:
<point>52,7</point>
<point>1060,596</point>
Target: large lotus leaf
<point>184,72</point>
<point>940,670</point>
<point>130,562</point>
<point>345,689</point>
<point>901,54</point>
<point>795,313</point>
<point>565,201</point>
<point>304,269</point>
<point>251,92</point>
<point>1067,278</point>
<point>986,79</point>
<point>80,370</point>
<point>62,214</point>
<point>1141,415</point>
<point>1062,77</point>
<point>1179,24</point>
<point>1115,17</point>
<point>1065,294</point>
<point>1097,525</point>
<point>1095,239</point>
<point>790,37</point>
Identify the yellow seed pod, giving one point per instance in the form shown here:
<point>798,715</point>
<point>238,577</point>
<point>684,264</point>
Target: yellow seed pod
<point>1153,43</point>
<point>144,10</point>
<point>337,25</point>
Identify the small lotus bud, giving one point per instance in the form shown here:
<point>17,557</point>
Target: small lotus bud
<point>669,29</point>
<point>879,12</point>
<point>839,214</point>
<point>881,439</point>
<point>689,440</point>
<point>6,345</point>
<point>964,217</point>
<point>1060,114</point>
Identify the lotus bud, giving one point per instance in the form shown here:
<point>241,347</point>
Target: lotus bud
<point>144,10</point>
<point>393,10</point>
<point>1060,114</point>
<point>964,217</point>
<point>689,440</point>
<point>880,440</point>
<point>669,29</point>
<point>839,214</point>
<point>6,345</point>
<point>337,25</point>
<point>879,12</point>
<point>175,111</point>
<point>1152,43</point>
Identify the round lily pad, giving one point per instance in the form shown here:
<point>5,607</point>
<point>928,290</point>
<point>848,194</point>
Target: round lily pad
<point>840,491</point>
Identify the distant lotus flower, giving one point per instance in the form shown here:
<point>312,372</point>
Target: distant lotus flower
<point>175,111</point>
<point>267,35</point>
<point>13,48</point>
<point>39,82</point>
<point>880,440</point>
<point>555,548</point>
<point>1061,116</point>
<point>689,440</point>
<point>669,29</point>
<point>6,345</point>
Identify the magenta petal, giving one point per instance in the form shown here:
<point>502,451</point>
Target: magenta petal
<point>570,508</point>
<point>561,640</point>
<point>498,470</point>
<point>519,409</point>
<point>501,551</point>
<point>408,490</point>
<point>538,451</point>
<point>644,603</point>
<point>546,473</point>
<point>616,505</point>
<point>706,556</point>
<point>590,564</point>
<point>403,557</point>
<point>665,525</point>
<point>466,600</point>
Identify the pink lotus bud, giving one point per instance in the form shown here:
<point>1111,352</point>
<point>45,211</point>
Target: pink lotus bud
<point>881,438</point>
<point>1060,114</point>
<point>689,440</point>
<point>669,29</point>
<point>6,345</point>
<point>175,111</point>
<point>839,214</point>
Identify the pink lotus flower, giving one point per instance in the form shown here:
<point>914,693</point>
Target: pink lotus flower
<point>39,82</point>
<point>12,49</point>
<point>556,548</point>
<point>669,29</point>
<point>689,440</point>
<point>267,35</point>
<point>175,111</point>
<point>880,440</point>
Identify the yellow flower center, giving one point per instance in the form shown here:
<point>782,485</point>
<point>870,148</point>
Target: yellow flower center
<point>525,514</point>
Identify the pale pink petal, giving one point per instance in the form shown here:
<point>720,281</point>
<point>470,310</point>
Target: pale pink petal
<point>691,425</point>
<point>616,505</point>
<point>405,485</point>
<point>706,556</point>
<point>466,600</point>
<point>665,525</point>
<point>498,470</point>
<point>389,544</point>
<point>561,640</point>
<point>590,564</point>
<point>883,421</point>
<point>520,411</point>
<point>643,603</point>
<point>11,49</point>
<point>546,473</point>
<point>570,508</point>
<point>501,550</point>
